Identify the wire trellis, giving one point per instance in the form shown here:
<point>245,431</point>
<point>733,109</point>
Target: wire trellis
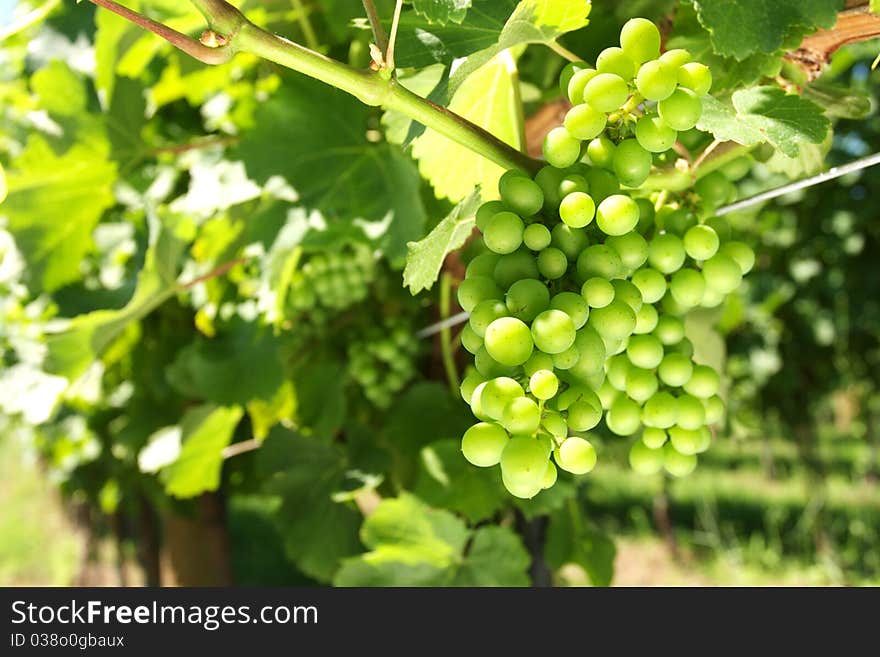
<point>776,192</point>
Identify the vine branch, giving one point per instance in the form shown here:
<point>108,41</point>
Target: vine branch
<point>379,35</point>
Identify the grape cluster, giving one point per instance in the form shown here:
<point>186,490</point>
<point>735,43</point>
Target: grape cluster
<point>576,309</point>
<point>382,359</point>
<point>330,281</point>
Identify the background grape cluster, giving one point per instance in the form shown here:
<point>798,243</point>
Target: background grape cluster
<point>332,280</point>
<point>577,305</point>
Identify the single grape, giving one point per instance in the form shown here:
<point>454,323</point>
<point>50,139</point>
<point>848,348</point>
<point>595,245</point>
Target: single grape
<point>615,321</point>
<point>552,263</point>
<point>714,409</point>
<point>644,351</point>
<point>644,460</point>
<point>469,384</point>
<point>521,416</point>
<point>714,189</point>
<point>560,148</point>
<point>624,417</point>
<point>555,424</point>
<point>524,460</point>
<point>549,476</point>
<point>584,122</point>
<point>677,220</point>
<point>514,267</point>
<point>484,313</point>
<point>543,384</point>
<point>477,404</point>
<point>627,293</point>
<point>653,437</point>
<point>584,415</point>
<point>536,237</point>
<point>670,330</point>
<point>572,182</point>
<point>676,57</point>
<point>527,298</point>
<point>504,233</point>
<point>597,292</point>
<point>573,305</point>
<point>470,340</point>
<point>660,411</point>
<point>646,319</point>
<point>687,287</point>
<point>701,242</point>
<point>618,214</point>
<point>600,261</point>
<point>566,359</point>
<point>615,60</point>
<point>617,370</point>
<point>640,40</point>
<point>722,273</point>
<point>656,80</point>
<point>475,289</point>
<point>675,370</point>
<point>548,179</point>
<point>600,152</point>
<point>497,393</point>
<point>676,463</point>
<point>525,490</point>
<point>567,73</point>
<point>641,384</point>
<point>483,444</point>
<point>682,110</point>
<point>509,341</point>
<point>571,241</point>
<point>631,247</point>
<point>632,164</point>
<point>651,283</point>
<point>576,455</point>
<point>721,226</point>
<point>742,254</point>
<point>654,135</point>
<point>647,215</point>
<point>522,195</point>
<point>691,414</point>
<point>577,209</point>
<point>486,212</point>
<point>685,441</point>
<point>578,84</point>
<point>666,253</point>
<point>602,183</point>
<point>489,367</point>
<point>553,331</point>
<point>704,382</point>
<point>538,361</point>
<point>605,92</point>
<point>482,265</point>
<point>696,77</point>
<point>685,348</point>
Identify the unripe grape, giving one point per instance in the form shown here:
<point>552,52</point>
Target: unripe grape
<point>527,298</point>
<point>571,241</point>
<point>555,424</point>
<point>696,77</point>
<point>614,60</point>
<point>524,461</point>
<point>617,371</point>
<point>678,221</point>
<point>676,57</point>
<point>469,384</point>
<point>484,313</point>
<point>607,394</point>
<point>553,331</point>
<point>627,293</point>
<point>602,183</point>
<point>486,212</point>
<point>548,179</point>
<point>624,417</point>
<point>670,330</point>
<point>641,384</point>
<point>549,476</point>
<point>576,455</point>
<point>566,359</point>
<point>722,273</point>
<point>685,441</point>
<point>687,287</point>
<point>715,189</point>
<point>742,254</point>
<point>714,409</point>
<point>475,289</point>
<point>721,226</point>
<point>591,348</point>
<point>631,247</point>
<point>509,341</point>
<point>552,263</point>
<point>644,460</point>
<point>666,253</point>
<point>598,292</point>
<point>653,437</point>
<point>538,361</point>
<point>701,242</point>
<point>676,463</point>
<point>504,233</point>
<point>573,305</point>
<point>583,415</point>
<point>514,267</point>
<point>524,490</point>
<point>497,393</point>
<point>566,74</point>
<point>521,416</point>
<point>656,80</point>
<point>632,164</point>
<point>600,151</point>
<point>660,411</point>
<point>543,384</point>
<point>646,319</point>
<point>640,40</point>
<point>578,84</point>
<point>489,367</point>
<point>654,135</point>
<point>476,403</point>
<point>675,369</point>
<point>704,382</point>
<point>651,283</point>
<point>482,265</point>
<point>584,122</point>
<point>577,209</point>
<point>522,195</point>
<point>561,149</point>
<point>483,444</point>
<point>617,214</point>
<point>470,340</point>
<point>646,215</point>
<point>615,321</point>
<point>644,351</point>
<point>606,92</point>
<point>536,237</point>
<point>599,260</point>
<point>682,110</point>
<point>691,414</point>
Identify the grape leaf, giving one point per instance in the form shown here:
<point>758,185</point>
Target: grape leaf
<point>838,101</point>
<point>810,160</point>
<point>569,540</point>
<point>746,27</point>
<point>425,257</point>
<point>496,558</point>
<point>125,119</point>
<point>205,431</point>
<point>442,11</point>
<point>328,158</point>
<point>305,473</point>
<point>3,187</point>
<point>765,114</point>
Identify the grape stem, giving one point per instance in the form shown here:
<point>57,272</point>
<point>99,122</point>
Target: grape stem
<point>379,35</point>
<point>673,179</point>
<point>446,334</point>
<point>231,32</point>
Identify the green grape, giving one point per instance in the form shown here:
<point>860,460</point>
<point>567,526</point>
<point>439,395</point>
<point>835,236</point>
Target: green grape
<point>577,209</point>
<point>678,221</point>
<point>602,184</point>
<point>704,382</point>
<point>705,439</point>
<point>553,331</point>
<point>714,189</point>
<point>646,319</point>
<point>592,350</point>
<point>549,476</point>
<point>641,384</point>
<point>486,212</point>
<point>484,313</point>
<point>527,298</point>
<point>624,417</point>
<point>576,455</point>
<point>627,293</point>
<point>682,110</point>
<point>538,361</point>
<point>606,92</point>
<point>644,460</point>
<point>685,441</point>
<point>644,351</point>
<point>577,393</point>
<point>483,444</point>
<point>469,383</point>
<point>614,60</point>
<point>573,305</point>
<point>509,341</point>
<point>560,148</point>
<point>656,80</point>
<point>571,241</point>
<point>578,84</point>
<point>555,424</point>
<point>583,122</point>
<point>525,490</point>
<point>567,359</point>
<point>497,393</point>
<point>607,394</point>
<point>476,289</point>
<point>646,215</point>
<point>543,384</point>
<point>521,416</point>
<point>742,254</point>
<point>536,237</point>
<point>522,195</point>
<point>488,366</point>
<point>615,321</point>
<point>691,414</point>
<point>483,265</point>
<point>618,214</point>
<point>696,77</point>
<point>654,135</point>
<point>701,242</point>
<point>470,340</point>
<point>651,283</point>
<point>640,40</point>
<point>548,179</point>
<point>524,460</point>
<point>660,411</point>
<point>687,287</point>
<point>567,73</point>
<point>570,183</point>
<point>600,261</point>
<point>666,253</point>
<point>653,437</point>
<point>597,292</point>
<point>675,370</point>
<point>552,263</point>
<point>583,415</point>
<point>477,404</point>
<point>514,267</point>
<point>714,409</point>
<point>617,370</point>
<point>721,227</point>
<point>632,165</point>
<point>670,330</point>
<point>676,463</point>
<point>685,348</point>
<point>504,233</point>
<point>600,152</point>
<point>676,57</point>
<point>722,273</point>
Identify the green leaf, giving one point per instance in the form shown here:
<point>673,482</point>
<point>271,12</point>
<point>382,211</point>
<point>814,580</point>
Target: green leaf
<point>306,473</point>
<point>412,544</point>
<point>746,27</point>
<point>765,114</point>
<point>60,91</point>
<point>125,119</point>
<point>571,541</point>
<point>205,432</point>
<point>327,157</point>
<point>425,257</point>
<point>442,11</point>
<point>4,189</point>
<point>490,98</point>
<point>53,205</point>
<point>82,340</point>
<point>838,101</point>
<point>810,160</point>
